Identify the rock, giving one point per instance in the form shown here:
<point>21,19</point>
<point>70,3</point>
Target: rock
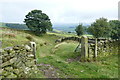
<point>17,71</point>
<point>4,59</point>
<point>16,48</point>
<point>12,76</point>
<point>28,48</point>
<point>5,64</point>
<point>12,54</point>
<point>29,64</point>
<point>8,57</point>
<point>8,68</point>
<point>5,54</point>
<point>92,44</point>
<point>8,49</point>
<point>31,55</point>
<point>19,64</point>
<point>26,70</point>
<point>5,73</point>
<point>13,60</point>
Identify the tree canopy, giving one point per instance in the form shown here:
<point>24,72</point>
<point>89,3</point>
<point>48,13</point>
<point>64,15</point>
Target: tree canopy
<point>115,29</point>
<point>100,28</point>
<point>38,22</point>
<point>79,30</point>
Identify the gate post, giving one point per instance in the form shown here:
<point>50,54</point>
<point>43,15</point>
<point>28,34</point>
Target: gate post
<point>84,47</point>
<point>33,46</point>
<point>95,53</point>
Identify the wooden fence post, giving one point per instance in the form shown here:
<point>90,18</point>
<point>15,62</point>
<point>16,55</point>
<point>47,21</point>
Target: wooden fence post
<point>84,47</point>
<point>95,53</point>
<point>88,50</point>
<point>33,46</point>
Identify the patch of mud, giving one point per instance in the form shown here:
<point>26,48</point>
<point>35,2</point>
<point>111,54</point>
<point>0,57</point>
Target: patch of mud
<point>73,59</point>
<point>48,70</point>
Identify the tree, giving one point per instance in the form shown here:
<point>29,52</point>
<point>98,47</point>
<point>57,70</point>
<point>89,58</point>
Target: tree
<point>100,28</point>
<point>38,22</point>
<point>115,29</point>
<point>79,30</point>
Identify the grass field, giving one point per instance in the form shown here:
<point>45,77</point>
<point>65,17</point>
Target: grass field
<point>61,59</point>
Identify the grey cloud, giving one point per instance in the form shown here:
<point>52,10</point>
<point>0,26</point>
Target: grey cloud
<point>58,12</point>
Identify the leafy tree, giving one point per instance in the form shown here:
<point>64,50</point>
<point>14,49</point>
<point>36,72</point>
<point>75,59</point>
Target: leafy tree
<point>115,29</point>
<point>100,28</point>
<point>79,30</point>
<point>38,22</point>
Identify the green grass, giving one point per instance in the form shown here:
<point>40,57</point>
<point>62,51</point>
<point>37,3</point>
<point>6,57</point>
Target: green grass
<point>84,70</point>
<point>106,67</point>
<point>57,55</point>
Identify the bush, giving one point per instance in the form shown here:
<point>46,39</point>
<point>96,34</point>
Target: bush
<point>80,30</point>
<point>30,38</point>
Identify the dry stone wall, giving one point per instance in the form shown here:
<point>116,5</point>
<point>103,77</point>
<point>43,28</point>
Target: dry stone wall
<point>109,47</point>
<point>17,62</point>
<point>101,47</point>
<point>105,47</point>
<point>68,38</point>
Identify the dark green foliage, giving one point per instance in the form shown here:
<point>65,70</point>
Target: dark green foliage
<point>79,30</point>
<point>115,29</point>
<point>100,28</point>
<point>38,22</point>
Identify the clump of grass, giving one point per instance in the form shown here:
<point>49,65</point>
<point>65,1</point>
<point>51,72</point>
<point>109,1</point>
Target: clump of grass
<point>10,35</point>
<point>30,38</point>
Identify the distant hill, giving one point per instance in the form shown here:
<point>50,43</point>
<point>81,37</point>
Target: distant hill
<point>14,26</point>
<point>67,27</point>
<point>70,27</point>
<point>2,24</point>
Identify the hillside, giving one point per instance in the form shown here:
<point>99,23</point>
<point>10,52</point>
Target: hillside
<point>58,60</point>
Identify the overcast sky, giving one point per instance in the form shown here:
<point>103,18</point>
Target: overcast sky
<point>60,11</point>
